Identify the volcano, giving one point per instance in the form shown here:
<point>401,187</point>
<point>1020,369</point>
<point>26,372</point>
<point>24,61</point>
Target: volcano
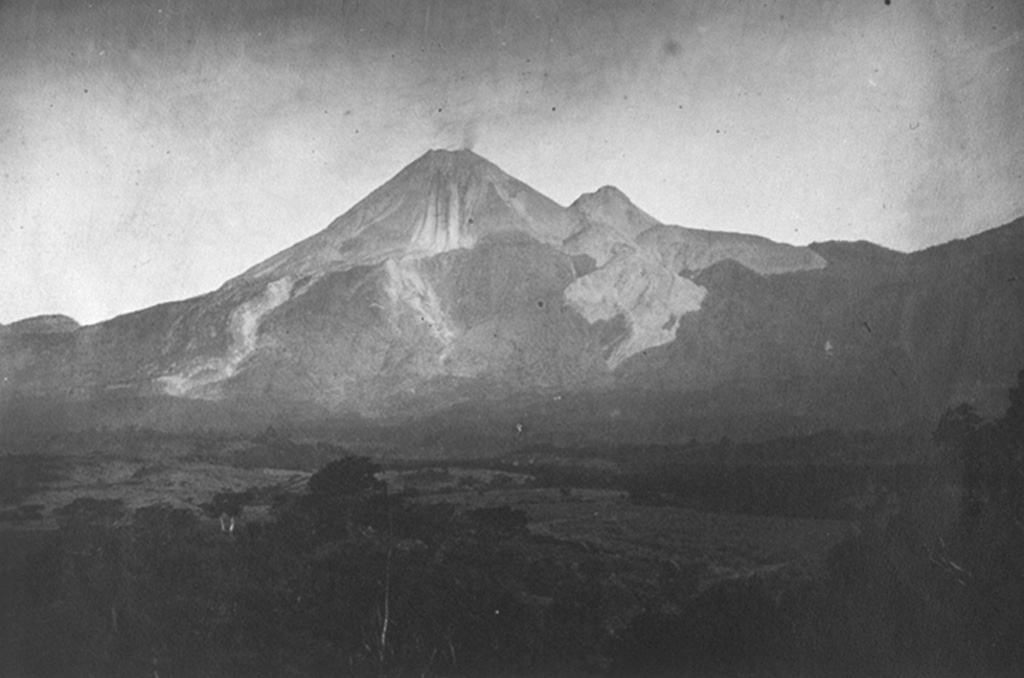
<point>444,201</point>
<point>455,293</point>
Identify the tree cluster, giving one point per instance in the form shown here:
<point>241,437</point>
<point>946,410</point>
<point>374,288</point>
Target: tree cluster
<point>346,579</point>
<point>914,592</point>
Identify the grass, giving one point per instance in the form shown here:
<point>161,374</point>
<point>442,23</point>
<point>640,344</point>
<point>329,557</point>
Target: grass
<point>23,475</point>
<point>606,522</point>
<point>601,523</point>
<point>141,483</point>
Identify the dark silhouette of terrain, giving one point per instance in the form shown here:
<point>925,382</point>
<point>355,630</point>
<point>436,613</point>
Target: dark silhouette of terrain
<point>348,577</point>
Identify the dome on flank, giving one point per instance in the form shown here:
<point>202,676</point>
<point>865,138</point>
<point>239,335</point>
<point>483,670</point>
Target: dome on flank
<point>44,324</point>
<point>611,207</point>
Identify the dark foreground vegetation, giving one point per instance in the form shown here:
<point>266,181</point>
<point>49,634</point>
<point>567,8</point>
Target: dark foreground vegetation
<point>347,578</point>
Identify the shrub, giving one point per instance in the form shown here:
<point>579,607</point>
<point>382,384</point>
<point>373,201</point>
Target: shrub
<point>91,510</point>
<point>345,476</point>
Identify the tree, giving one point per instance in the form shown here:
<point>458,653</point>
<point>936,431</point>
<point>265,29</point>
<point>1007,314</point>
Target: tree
<point>345,476</point>
<point>91,511</point>
<point>950,599</point>
<point>228,507</point>
<point>344,498</point>
<point>990,544</point>
<point>1013,420</point>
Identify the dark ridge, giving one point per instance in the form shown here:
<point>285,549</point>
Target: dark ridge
<point>1000,239</point>
<point>44,324</point>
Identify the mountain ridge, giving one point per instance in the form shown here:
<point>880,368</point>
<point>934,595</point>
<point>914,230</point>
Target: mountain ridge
<point>454,282</point>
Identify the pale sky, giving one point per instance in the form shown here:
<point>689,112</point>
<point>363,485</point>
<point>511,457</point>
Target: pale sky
<point>151,150</point>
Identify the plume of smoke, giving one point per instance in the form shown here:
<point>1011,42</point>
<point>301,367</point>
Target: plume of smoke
<point>458,134</point>
<point>469,134</point>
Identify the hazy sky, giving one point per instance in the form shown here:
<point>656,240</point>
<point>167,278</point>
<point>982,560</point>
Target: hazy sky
<point>150,150</point>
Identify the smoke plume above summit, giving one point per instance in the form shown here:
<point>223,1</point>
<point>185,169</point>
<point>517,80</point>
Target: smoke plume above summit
<point>152,149</point>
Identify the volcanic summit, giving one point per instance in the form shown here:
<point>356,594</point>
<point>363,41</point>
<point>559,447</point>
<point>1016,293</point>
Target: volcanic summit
<point>445,200</point>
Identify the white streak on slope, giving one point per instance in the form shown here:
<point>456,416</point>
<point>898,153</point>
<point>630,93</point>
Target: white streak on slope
<point>635,285</point>
<point>195,379</point>
<point>406,284</point>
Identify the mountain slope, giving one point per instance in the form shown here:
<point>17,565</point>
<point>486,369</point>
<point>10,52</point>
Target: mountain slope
<point>455,288</point>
